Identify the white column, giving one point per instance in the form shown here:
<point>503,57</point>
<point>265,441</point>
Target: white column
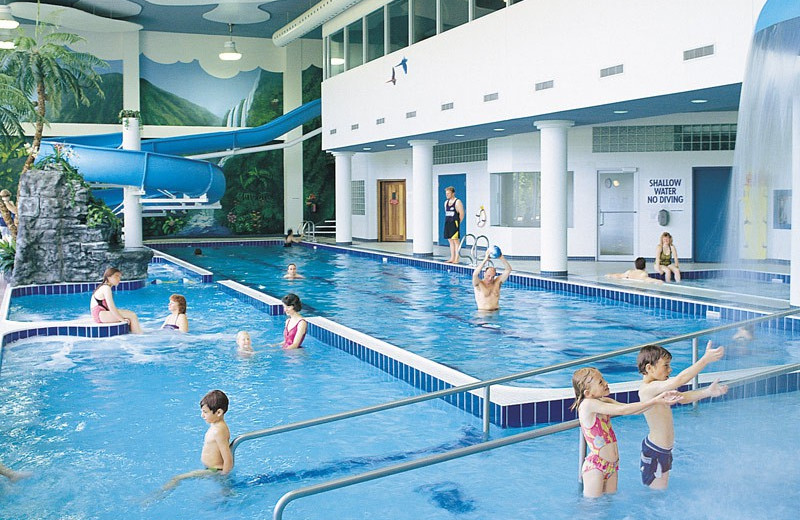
<point>130,70</point>
<point>293,201</point>
<point>422,195</point>
<point>131,203</point>
<point>794,269</point>
<point>554,196</point>
<point>344,209</point>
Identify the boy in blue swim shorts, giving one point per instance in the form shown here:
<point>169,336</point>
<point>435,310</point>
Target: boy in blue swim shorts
<point>654,364</point>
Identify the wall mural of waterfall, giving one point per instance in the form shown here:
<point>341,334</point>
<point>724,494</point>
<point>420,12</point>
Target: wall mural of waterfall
<point>760,223</point>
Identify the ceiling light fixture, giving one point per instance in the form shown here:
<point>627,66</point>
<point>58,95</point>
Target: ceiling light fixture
<point>6,20</point>
<point>459,135</point>
<point>390,145</point>
<point>698,101</point>
<point>499,129</point>
<point>620,111</point>
<point>229,52</point>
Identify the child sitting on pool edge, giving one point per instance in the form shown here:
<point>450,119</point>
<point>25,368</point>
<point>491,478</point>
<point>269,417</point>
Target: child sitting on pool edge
<point>216,455</point>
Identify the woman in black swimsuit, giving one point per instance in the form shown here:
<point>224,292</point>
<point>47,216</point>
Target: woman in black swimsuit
<point>177,318</point>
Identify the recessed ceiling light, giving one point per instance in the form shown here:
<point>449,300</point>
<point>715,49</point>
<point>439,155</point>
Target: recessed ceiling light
<point>337,61</point>
<point>459,135</point>
<point>390,145</point>
<point>620,111</point>
<point>499,129</point>
<point>366,148</point>
<point>698,101</point>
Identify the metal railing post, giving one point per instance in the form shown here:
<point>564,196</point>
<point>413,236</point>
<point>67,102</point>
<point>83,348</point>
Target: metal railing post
<point>696,380</point>
<point>487,409</point>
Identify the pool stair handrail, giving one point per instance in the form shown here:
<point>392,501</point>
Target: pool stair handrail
<point>309,229</point>
<point>487,384</point>
<point>482,447</point>
<point>473,251</point>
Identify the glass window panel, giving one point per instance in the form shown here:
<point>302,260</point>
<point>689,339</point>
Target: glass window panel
<point>454,13</point>
<point>398,25</point>
<point>424,23</point>
<point>484,7</point>
<point>336,52</point>
<point>355,44</point>
<point>375,35</point>
<point>517,202</point>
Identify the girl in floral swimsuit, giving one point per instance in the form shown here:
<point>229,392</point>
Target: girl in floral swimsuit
<point>595,409</point>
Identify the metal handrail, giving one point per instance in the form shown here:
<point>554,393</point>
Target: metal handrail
<point>307,227</point>
<point>475,247</point>
<point>431,460</point>
<point>256,434</point>
<point>463,243</point>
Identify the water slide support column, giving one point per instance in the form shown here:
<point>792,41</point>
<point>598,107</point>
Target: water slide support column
<point>794,269</point>
<point>422,196</point>
<point>131,202</point>
<point>293,202</point>
<point>344,210</point>
<point>553,252</point>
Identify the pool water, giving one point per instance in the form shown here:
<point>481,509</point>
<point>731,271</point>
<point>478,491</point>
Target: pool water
<point>432,313</point>
<point>736,285</point>
<point>104,423</point>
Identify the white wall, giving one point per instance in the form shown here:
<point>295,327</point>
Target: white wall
<point>521,153</point>
<point>508,52</point>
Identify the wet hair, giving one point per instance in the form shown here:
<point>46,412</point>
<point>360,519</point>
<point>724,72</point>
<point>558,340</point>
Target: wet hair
<point>242,334</point>
<point>215,400</point>
<point>639,263</point>
<point>292,300</point>
<point>198,251</point>
<point>5,193</point>
<point>289,232</point>
<point>291,264</point>
<point>649,355</point>
<point>111,271</point>
<point>451,189</point>
<point>580,382</point>
<point>181,301</point>
<point>665,234</point>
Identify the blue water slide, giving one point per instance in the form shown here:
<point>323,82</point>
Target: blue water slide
<point>158,167</point>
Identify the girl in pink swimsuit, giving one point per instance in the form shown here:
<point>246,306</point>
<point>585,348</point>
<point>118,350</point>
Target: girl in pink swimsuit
<point>595,409</point>
<point>102,304</point>
<point>294,332</point>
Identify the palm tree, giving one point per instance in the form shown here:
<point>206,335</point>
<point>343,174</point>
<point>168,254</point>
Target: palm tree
<point>44,68</point>
<point>14,107</point>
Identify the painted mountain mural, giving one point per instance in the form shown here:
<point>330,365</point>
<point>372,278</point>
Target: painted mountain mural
<point>160,107</point>
<point>103,110</point>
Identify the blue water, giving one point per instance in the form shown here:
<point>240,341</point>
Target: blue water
<point>734,285</point>
<point>432,313</point>
<point>104,423</point>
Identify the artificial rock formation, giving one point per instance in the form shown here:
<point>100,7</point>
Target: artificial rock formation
<point>54,243</point>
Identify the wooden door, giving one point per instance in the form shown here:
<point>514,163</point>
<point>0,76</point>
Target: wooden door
<point>392,214</point>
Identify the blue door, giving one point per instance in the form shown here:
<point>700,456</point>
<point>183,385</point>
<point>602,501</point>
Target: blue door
<point>711,189</point>
<point>459,182</point>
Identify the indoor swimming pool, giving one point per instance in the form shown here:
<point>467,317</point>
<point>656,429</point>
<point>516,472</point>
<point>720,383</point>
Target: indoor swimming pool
<point>103,423</point>
<point>432,313</point>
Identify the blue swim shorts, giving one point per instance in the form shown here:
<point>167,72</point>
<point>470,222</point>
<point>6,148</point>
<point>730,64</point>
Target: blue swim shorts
<point>655,461</point>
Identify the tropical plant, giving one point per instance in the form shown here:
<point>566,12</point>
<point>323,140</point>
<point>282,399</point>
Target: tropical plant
<point>14,108</point>
<point>8,250</point>
<point>99,214</point>
<point>45,68</point>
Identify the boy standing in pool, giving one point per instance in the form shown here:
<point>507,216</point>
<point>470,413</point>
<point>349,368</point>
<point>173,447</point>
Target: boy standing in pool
<point>216,455</point>
<point>654,363</point>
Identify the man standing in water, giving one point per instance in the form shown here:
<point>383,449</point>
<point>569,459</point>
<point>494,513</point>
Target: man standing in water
<point>487,291</point>
<point>453,216</point>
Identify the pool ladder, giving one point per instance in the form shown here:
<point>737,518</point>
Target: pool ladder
<point>309,229</point>
<point>472,255</point>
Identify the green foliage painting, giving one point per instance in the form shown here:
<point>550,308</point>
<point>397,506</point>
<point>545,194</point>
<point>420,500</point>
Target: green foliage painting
<point>100,110</point>
<point>319,176</point>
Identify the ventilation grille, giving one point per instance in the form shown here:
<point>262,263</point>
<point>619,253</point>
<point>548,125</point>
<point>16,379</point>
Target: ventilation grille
<point>333,131</point>
<point>409,115</point>
<point>699,52</point>
<point>447,106</point>
<point>611,71</point>
<point>380,120</point>
<point>354,127</point>
<point>491,97</point>
<point>544,85</point>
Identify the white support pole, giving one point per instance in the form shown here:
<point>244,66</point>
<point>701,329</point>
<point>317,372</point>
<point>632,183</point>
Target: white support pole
<point>293,202</point>
<point>554,196</point>
<point>422,196</point>
<point>132,206</point>
<point>344,210</point>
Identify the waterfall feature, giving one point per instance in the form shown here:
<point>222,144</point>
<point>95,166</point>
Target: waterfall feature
<point>769,109</point>
<point>237,116</point>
